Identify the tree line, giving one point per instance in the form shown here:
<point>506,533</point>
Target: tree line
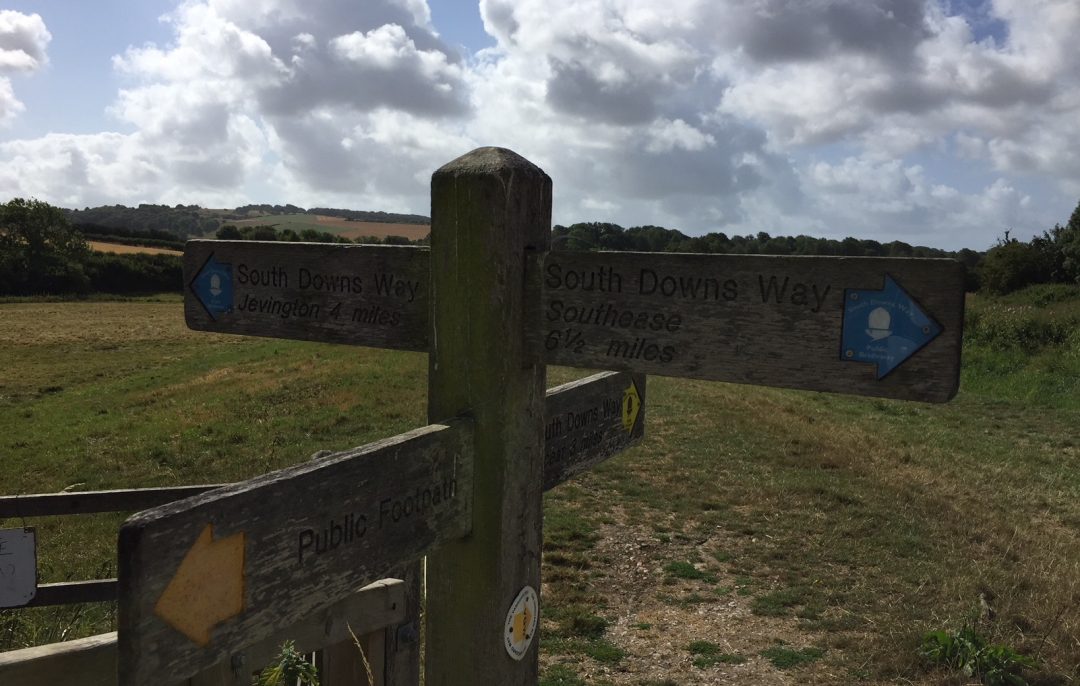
<point>43,252</point>
<point>180,222</point>
<point>268,232</point>
<point>606,236</point>
<point>1052,257</point>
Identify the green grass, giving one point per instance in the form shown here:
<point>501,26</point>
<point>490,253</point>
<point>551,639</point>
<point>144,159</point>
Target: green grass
<point>560,675</point>
<point>687,570</point>
<point>859,524</point>
<point>783,657</point>
<point>106,395</point>
<point>707,654</point>
<point>777,603</point>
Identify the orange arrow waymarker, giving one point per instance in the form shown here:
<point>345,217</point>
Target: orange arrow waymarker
<point>208,587</point>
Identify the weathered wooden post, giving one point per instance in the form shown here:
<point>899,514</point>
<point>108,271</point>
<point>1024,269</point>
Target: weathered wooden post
<point>489,208</point>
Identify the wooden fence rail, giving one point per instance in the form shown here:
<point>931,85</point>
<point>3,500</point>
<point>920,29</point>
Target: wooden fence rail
<point>94,502</point>
<point>383,616</point>
<point>367,614</point>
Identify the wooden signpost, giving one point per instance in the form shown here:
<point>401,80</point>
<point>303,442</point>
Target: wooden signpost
<point>589,420</point>
<point>211,606</point>
<point>868,326</point>
<point>203,577</point>
<point>334,293</point>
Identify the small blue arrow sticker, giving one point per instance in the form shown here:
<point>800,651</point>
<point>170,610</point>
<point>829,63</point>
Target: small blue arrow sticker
<point>213,286</point>
<point>884,327</point>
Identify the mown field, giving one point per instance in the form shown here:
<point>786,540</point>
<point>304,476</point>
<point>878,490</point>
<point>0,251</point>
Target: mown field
<point>338,226</point>
<point>757,536</point>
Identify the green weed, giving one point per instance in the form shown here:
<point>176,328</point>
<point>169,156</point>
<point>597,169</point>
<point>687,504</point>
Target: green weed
<point>968,652</point>
<point>290,669</point>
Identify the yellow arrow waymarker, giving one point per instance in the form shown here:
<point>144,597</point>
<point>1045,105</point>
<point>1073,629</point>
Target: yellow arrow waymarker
<point>631,404</point>
<point>522,622</point>
<point>208,587</point>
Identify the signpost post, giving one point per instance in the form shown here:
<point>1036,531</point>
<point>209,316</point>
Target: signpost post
<point>488,208</point>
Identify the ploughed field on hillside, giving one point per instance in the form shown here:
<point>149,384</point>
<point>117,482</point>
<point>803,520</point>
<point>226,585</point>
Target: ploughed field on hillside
<point>338,225</point>
<point>123,249</point>
<point>756,536</point>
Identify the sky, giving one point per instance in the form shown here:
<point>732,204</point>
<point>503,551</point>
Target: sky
<point>936,122</point>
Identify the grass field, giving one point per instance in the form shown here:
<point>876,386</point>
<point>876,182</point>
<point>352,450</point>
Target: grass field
<point>121,249</point>
<point>338,226</point>
<point>757,536</point>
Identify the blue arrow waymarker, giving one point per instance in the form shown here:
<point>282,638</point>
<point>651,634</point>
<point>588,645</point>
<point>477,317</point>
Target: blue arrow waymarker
<point>213,286</point>
<point>884,327</point>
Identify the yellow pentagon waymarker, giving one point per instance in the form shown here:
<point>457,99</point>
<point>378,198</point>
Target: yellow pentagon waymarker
<point>631,404</point>
<point>208,587</point>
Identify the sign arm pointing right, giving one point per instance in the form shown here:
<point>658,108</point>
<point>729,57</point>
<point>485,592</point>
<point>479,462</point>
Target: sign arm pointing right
<point>885,327</point>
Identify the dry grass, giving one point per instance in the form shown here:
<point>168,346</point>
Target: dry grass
<point>121,249</point>
<point>30,324</point>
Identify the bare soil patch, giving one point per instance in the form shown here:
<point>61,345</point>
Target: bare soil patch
<point>657,618</point>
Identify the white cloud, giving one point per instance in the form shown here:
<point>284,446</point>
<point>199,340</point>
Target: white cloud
<point>889,200</point>
<point>884,118</point>
<point>24,41</point>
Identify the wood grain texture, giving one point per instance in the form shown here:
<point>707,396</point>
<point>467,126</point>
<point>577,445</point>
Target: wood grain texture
<point>400,497</point>
<point>403,653</point>
<point>84,662</point>
<point>70,592</point>
<point>584,424</point>
<point>487,209</point>
<point>342,664</point>
<point>761,320</point>
<point>92,661</point>
<point>367,295</point>
<point>89,502</point>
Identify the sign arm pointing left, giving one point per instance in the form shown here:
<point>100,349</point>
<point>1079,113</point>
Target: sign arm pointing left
<point>213,288</point>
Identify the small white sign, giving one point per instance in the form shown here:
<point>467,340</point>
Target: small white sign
<point>521,623</point>
<point>18,567</point>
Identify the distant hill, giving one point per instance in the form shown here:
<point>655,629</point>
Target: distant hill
<point>167,227</point>
<point>303,223</point>
<point>181,222</point>
<point>254,211</point>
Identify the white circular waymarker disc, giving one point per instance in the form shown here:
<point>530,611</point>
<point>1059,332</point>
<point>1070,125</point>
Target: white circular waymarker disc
<point>521,623</point>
